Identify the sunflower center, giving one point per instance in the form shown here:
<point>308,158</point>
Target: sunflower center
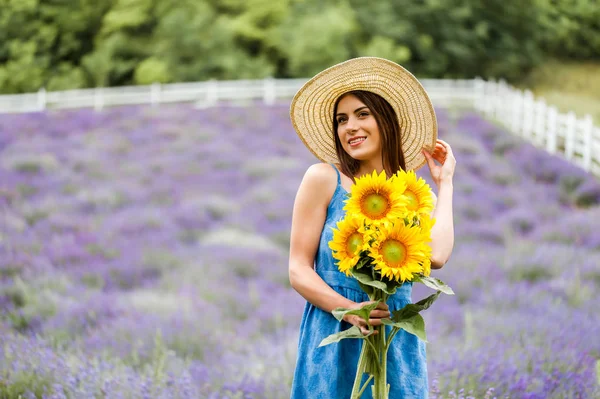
<point>375,205</point>
<point>353,243</point>
<point>393,252</point>
<point>413,203</point>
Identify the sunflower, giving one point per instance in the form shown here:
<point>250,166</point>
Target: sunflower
<point>419,200</point>
<point>349,239</point>
<point>426,223</point>
<point>400,251</point>
<point>377,199</point>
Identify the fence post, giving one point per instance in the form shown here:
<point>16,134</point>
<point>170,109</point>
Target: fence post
<point>551,129</point>
<point>539,127</point>
<point>155,94</point>
<point>492,98</point>
<point>41,99</point>
<point>212,93</point>
<point>528,102</point>
<point>269,91</point>
<point>500,107</point>
<point>479,97</point>
<point>516,116</point>
<point>587,130</point>
<point>571,125</point>
<point>98,99</point>
<point>596,151</point>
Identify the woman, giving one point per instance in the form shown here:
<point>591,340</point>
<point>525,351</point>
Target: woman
<point>358,116</point>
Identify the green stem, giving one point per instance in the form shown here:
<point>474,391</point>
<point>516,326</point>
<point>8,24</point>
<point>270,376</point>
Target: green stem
<point>380,383</point>
<point>380,375</point>
<point>383,385</point>
<point>373,347</point>
<point>392,335</point>
<point>365,386</point>
<point>362,360</point>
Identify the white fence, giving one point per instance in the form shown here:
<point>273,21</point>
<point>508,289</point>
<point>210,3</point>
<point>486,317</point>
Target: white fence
<point>577,139</point>
<point>207,93</point>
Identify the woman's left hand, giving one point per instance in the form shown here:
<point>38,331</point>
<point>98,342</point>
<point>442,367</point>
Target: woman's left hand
<point>443,154</point>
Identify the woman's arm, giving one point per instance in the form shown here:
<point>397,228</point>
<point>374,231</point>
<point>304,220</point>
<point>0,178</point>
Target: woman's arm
<point>442,232</point>
<point>310,211</point>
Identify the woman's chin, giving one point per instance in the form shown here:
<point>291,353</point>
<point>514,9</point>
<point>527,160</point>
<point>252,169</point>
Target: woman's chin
<point>361,154</point>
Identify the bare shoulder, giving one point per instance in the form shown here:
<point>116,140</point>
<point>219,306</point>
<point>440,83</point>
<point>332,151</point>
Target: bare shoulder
<point>319,181</point>
<point>321,173</point>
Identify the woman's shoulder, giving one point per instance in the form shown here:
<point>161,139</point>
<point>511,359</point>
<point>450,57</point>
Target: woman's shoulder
<point>321,172</point>
<point>321,179</point>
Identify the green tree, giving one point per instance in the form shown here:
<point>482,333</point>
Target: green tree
<point>42,42</point>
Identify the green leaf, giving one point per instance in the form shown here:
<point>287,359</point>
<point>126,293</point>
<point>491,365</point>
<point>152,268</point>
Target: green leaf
<point>367,288</point>
<point>434,283</point>
<point>352,332</point>
<point>364,277</point>
<point>363,312</point>
<point>414,325</point>
<point>413,309</point>
<point>362,262</point>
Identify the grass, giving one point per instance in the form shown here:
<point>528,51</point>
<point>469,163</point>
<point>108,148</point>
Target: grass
<point>568,85</point>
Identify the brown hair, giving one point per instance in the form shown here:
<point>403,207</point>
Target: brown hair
<point>389,129</point>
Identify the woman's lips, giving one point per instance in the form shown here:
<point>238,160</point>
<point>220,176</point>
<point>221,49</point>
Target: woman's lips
<point>356,141</point>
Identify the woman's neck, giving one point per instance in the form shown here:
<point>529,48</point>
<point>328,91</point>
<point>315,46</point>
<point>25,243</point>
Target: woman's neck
<point>367,167</point>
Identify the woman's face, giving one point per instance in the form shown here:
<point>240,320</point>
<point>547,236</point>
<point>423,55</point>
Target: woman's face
<point>357,129</point>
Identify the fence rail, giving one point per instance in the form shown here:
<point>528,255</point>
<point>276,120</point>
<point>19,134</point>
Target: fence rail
<point>577,139</point>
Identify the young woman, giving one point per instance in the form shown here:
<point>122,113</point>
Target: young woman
<point>362,115</point>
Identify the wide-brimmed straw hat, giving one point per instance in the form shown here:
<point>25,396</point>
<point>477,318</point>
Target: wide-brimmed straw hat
<point>311,110</point>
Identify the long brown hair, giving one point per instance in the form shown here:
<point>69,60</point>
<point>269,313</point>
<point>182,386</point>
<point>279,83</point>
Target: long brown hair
<point>389,129</point>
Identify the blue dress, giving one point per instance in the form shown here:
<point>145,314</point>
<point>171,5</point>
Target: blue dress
<point>328,372</point>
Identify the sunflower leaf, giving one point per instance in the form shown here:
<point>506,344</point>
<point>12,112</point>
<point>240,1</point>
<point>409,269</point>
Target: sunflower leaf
<point>367,289</point>
<point>363,312</point>
<point>414,325</point>
<point>434,283</point>
<point>365,277</point>
<point>413,309</point>
<point>353,332</point>
<point>364,260</point>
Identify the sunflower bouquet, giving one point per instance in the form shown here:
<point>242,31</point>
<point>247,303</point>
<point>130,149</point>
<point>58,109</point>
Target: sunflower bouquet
<point>383,242</point>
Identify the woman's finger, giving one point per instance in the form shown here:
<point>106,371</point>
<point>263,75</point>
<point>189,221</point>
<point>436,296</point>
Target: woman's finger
<point>429,158</point>
<point>375,322</point>
<point>446,146</point>
<point>381,314</point>
<point>440,158</point>
<point>365,330</point>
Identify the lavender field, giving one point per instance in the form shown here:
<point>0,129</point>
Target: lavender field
<point>143,254</point>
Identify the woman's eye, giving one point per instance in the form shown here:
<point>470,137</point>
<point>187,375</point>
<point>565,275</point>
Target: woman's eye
<point>340,120</point>
<point>364,113</point>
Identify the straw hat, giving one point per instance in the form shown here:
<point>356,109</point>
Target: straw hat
<point>311,110</point>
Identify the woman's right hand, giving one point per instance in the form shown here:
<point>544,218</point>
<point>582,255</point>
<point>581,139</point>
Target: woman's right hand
<point>380,312</point>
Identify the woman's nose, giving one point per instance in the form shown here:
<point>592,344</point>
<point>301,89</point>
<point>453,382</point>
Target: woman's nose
<point>351,125</point>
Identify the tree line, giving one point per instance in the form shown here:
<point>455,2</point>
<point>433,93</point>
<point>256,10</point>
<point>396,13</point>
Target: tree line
<point>67,44</point>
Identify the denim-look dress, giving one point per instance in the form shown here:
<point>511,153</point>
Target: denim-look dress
<point>329,371</point>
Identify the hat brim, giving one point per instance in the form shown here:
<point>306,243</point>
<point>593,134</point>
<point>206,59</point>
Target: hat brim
<point>311,110</point>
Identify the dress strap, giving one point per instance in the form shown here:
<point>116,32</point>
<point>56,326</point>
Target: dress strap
<point>338,173</point>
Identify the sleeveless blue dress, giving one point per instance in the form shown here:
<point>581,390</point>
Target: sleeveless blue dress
<point>328,372</point>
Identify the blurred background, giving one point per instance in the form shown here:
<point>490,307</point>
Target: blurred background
<point>549,46</point>
<point>143,248</point>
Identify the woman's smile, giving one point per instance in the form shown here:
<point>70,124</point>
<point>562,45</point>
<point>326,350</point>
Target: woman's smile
<point>356,141</point>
